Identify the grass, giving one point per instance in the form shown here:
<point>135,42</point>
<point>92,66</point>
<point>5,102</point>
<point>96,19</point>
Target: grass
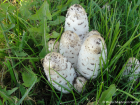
<point>24,32</point>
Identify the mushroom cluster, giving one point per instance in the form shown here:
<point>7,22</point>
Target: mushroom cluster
<point>80,53</point>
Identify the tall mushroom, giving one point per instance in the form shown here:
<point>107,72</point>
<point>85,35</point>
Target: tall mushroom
<point>77,21</point>
<point>92,51</point>
<point>70,45</point>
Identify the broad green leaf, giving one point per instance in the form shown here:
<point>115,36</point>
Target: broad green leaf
<point>43,52</point>
<point>22,89</point>
<point>107,95</point>
<point>12,91</point>
<point>21,54</point>
<point>59,20</point>
<point>28,77</point>
<point>29,89</point>
<point>42,12</point>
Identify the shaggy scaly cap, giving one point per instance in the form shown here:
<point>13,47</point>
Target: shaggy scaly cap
<point>70,45</point>
<point>52,47</point>
<point>77,21</point>
<point>92,50</point>
<point>132,69</point>
<point>59,70</point>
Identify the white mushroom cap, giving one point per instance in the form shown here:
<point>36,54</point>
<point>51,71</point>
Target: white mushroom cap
<point>70,45</point>
<point>92,50</point>
<point>53,47</point>
<point>132,69</point>
<point>93,32</point>
<point>59,70</point>
<point>79,84</point>
<point>77,21</point>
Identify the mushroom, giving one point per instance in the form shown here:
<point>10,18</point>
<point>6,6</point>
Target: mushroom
<point>77,21</point>
<point>52,46</point>
<point>79,84</point>
<point>93,32</point>
<point>92,51</point>
<point>70,45</point>
<point>59,71</point>
<point>132,69</point>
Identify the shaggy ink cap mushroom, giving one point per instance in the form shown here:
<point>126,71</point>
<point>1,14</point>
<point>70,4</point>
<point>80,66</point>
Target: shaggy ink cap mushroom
<point>77,21</point>
<point>79,84</point>
<point>59,71</point>
<point>92,51</point>
<point>70,45</point>
<point>132,69</point>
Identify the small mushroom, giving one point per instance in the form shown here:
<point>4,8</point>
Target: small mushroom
<point>92,51</point>
<point>132,69</point>
<point>59,71</point>
<point>52,46</point>
<point>70,45</point>
<point>77,21</point>
<point>79,84</point>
